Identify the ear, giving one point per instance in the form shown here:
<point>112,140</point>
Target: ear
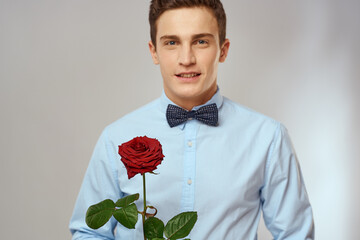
<point>224,50</point>
<point>153,53</point>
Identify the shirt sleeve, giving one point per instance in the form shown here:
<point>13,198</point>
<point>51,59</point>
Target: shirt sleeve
<point>285,204</point>
<point>100,183</point>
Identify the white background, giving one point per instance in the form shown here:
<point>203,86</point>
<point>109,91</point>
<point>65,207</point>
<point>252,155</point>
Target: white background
<point>68,68</point>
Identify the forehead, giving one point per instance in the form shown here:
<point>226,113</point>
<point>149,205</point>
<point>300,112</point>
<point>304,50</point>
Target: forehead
<point>186,22</point>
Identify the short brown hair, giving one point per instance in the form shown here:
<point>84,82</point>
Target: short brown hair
<point>158,7</point>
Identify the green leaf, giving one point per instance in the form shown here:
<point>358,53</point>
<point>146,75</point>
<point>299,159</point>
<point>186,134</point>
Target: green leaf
<point>157,238</point>
<point>123,202</point>
<point>98,214</point>
<point>154,228</point>
<point>180,225</point>
<point>127,216</point>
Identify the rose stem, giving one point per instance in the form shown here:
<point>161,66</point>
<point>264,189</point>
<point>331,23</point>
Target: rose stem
<point>143,215</point>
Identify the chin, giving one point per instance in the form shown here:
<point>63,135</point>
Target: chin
<point>189,92</point>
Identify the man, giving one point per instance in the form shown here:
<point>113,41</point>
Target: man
<point>227,167</point>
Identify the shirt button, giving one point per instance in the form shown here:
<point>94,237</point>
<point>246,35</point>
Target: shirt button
<point>189,143</point>
<point>189,181</point>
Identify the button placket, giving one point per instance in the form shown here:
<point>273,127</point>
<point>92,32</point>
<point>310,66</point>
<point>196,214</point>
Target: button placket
<point>188,192</point>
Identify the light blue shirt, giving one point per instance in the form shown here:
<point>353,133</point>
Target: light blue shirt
<point>228,174</point>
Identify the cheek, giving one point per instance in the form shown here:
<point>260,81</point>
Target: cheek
<point>211,56</point>
<point>167,57</point>
<point>210,61</point>
<point>167,64</point>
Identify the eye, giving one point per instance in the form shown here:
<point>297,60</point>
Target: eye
<point>202,42</point>
<point>170,43</point>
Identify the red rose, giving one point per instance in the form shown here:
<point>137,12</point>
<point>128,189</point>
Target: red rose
<point>141,155</point>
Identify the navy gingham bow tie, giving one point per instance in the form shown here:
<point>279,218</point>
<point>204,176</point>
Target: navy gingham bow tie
<point>207,114</point>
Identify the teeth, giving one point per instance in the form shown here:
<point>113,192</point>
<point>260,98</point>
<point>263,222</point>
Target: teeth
<point>190,75</point>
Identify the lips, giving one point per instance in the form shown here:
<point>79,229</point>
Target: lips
<point>188,75</point>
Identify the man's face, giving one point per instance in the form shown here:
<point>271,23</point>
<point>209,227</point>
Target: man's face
<point>188,52</point>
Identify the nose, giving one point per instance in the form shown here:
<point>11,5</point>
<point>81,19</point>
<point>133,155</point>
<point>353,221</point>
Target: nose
<point>186,56</point>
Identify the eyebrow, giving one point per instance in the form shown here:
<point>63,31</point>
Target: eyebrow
<point>195,36</point>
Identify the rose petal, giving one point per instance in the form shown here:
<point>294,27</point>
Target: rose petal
<point>141,155</point>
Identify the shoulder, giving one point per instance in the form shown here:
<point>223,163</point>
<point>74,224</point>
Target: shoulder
<point>137,122</point>
<point>252,127</point>
<point>242,114</point>
<point>151,108</point>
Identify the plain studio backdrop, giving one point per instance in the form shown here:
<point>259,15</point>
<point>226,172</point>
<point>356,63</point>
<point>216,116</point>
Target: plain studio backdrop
<point>68,68</point>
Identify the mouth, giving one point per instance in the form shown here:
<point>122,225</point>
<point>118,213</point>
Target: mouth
<point>187,75</point>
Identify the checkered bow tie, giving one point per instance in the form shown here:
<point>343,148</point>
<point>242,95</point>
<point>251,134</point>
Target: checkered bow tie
<point>207,114</point>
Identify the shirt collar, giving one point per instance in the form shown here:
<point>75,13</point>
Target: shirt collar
<point>217,98</point>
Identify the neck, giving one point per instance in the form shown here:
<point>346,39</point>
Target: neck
<point>190,102</point>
